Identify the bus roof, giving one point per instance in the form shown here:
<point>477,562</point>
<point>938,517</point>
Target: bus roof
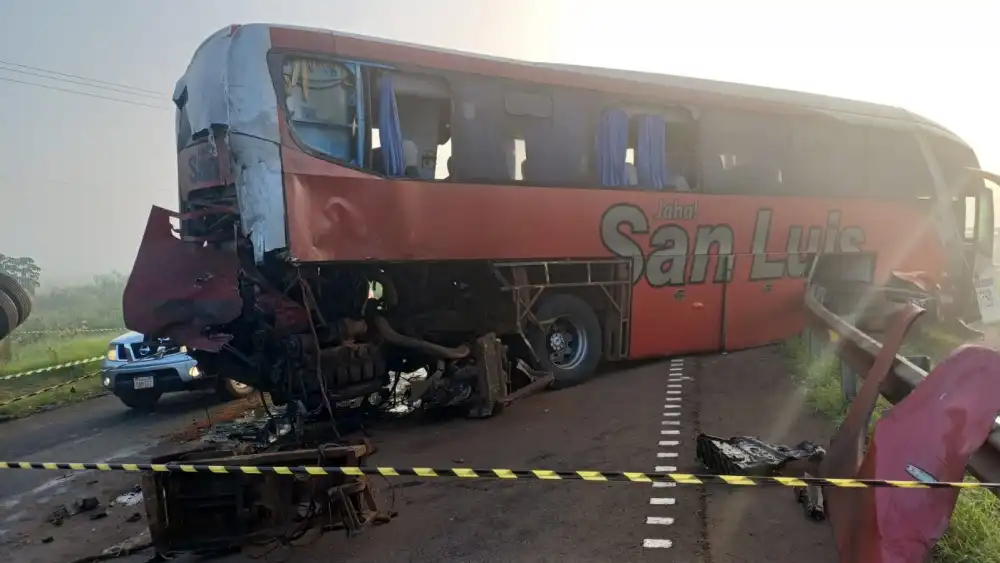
<point>685,89</point>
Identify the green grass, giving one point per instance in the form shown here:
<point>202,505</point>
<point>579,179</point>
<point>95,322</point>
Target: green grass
<point>82,390</point>
<point>974,533</point>
<point>47,352</point>
<point>53,350</point>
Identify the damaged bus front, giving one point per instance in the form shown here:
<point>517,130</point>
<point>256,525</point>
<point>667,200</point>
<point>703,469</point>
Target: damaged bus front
<point>219,275</point>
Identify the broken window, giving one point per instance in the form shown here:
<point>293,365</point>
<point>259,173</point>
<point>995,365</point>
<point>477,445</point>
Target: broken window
<point>557,125</point>
<point>423,107</point>
<point>515,132</point>
<point>322,106</point>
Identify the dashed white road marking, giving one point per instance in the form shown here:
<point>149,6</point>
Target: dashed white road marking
<point>671,416</point>
<point>659,520</point>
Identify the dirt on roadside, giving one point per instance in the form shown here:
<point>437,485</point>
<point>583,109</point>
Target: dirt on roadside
<point>90,514</point>
<point>751,393</point>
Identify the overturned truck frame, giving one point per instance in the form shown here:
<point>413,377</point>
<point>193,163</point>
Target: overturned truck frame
<point>189,512</point>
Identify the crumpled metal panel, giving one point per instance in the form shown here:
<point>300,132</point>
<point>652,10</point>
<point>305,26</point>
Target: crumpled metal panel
<point>931,434</point>
<point>177,289</point>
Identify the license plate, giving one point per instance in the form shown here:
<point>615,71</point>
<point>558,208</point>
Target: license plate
<point>144,382</point>
<point>989,304</point>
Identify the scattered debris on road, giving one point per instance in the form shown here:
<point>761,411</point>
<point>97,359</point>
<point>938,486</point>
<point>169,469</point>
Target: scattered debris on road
<point>130,498</point>
<point>743,455</point>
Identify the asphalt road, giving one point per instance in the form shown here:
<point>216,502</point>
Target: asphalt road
<point>102,429</point>
<point>642,418</point>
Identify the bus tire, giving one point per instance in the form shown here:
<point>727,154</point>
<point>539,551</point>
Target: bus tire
<point>18,295</point>
<point>8,315</point>
<point>570,347</point>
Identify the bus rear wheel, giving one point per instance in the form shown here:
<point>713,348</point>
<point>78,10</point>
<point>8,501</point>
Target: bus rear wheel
<point>569,343</point>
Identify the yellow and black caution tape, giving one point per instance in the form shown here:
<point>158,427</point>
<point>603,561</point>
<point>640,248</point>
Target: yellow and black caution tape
<point>503,474</point>
<point>47,389</point>
<point>67,331</point>
<point>52,368</point>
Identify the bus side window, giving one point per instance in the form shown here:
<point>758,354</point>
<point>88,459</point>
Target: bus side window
<point>481,140</point>
<point>551,132</point>
<point>656,143</point>
<point>896,165</point>
<point>742,152</point>
<point>423,104</point>
<point>827,157</point>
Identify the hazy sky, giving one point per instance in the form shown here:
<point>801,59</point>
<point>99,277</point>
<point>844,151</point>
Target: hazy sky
<point>78,174</point>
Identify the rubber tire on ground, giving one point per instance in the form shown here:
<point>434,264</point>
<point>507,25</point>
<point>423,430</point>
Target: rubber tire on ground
<point>229,392</point>
<point>8,315</point>
<point>143,401</point>
<point>556,305</point>
<point>18,294</point>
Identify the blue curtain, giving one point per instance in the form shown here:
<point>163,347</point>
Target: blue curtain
<point>389,132</point>
<point>612,144</point>
<point>651,152</point>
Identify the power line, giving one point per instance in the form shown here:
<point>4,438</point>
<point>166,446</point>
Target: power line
<point>89,94</point>
<point>45,70</point>
<point>81,82</point>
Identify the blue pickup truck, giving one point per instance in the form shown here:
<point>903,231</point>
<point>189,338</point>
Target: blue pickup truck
<point>139,371</point>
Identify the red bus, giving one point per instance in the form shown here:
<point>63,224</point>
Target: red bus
<point>512,213</point>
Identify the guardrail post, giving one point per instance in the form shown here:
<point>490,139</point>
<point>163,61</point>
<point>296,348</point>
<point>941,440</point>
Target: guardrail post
<point>816,342</point>
<point>848,382</point>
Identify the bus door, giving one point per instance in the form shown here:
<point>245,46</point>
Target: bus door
<point>678,318</point>
<point>763,301</point>
<point>976,205</point>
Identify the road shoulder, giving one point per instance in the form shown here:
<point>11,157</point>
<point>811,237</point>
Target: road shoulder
<point>751,393</point>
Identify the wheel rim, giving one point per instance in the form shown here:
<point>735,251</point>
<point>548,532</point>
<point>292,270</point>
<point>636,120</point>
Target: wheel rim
<point>566,343</point>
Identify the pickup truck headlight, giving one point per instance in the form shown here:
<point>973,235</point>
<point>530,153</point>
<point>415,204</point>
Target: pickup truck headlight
<point>184,349</point>
<point>112,354</point>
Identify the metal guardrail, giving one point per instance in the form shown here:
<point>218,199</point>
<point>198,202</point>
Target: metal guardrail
<point>857,351</point>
